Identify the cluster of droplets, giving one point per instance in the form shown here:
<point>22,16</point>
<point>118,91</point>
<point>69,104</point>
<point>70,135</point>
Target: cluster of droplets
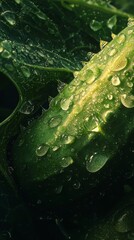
<point>97,25</point>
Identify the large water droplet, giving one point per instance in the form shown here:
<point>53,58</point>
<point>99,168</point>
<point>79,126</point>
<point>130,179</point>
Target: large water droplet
<point>95,25</point>
<point>127,100</point>
<point>115,80</point>
<point>121,64</point>
<point>89,76</point>
<point>54,121</point>
<point>65,103</point>
<point>95,162</point>
<point>10,17</point>
<point>27,108</point>
<point>112,22</point>
<point>121,38</point>
<point>25,71</point>
<point>42,150</point>
<point>124,221</point>
<point>66,161</point>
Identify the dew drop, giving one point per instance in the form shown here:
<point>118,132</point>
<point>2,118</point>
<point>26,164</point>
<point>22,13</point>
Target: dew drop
<point>25,71</point>
<point>127,100</point>
<point>68,139</point>
<point>110,96</point>
<point>124,221</point>
<point>66,161</point>
<point>58,190</point>
<point>55,148</point>
<point>6,45</point>
<point>89,76</point>
<point>121,38</point>
<point>6,54</point>
<point>41,15</point>
<point>106,105</point>
<point>27,28</point>
<point>111,22</point>
<point>65,103</point>
<point>115,80</point>
<point>42,150</point>
<point>95,25</point>
<point>112,52</point>
<point>27,108</point>
<point>130,32</point>
<point>121,64</point>
<point>95,162</point>
<point>130,84</point>
<point>106,115</point>
<point>10,17</point>
<point>76,185</point>
<point>130,22</point>
<point>54,121</point>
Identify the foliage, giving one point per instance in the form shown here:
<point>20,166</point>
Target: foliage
<point>43,46</point>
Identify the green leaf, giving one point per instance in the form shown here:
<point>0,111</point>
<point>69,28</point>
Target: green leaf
<point>33,48</point>
<point>96,16</point>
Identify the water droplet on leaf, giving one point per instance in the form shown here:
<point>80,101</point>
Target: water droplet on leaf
<point>68,139</point>
<point>66,161</point>
<point>76,185</point>
<point>121,38</point>
<point>58,190</point>
<point>95,162</point>
<point>124,221</point>
<point>54,121</point>
<point>121,64</point>
<point>25,71</point>
<point>65,103</point>
<point>10,17</point>
<point>127,100</point>
<point>112,52</point>
<point>42,150</point>
<point>115,80</point>
<point>95,25</point>
<point>111,22</point>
